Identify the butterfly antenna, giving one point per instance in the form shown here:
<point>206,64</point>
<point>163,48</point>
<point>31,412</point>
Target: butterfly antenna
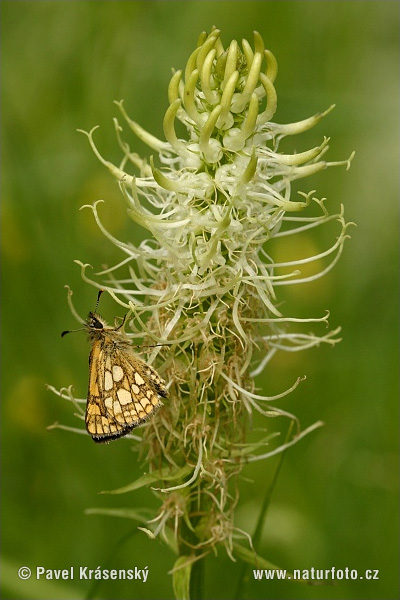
<point>71,331</point>
<point>98,299</point>
<point>82,328</point>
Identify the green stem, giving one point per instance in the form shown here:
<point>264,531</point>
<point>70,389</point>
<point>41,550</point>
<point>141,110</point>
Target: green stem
<point>196,586</point>
<point>197,580</point>
<point>243,577</point>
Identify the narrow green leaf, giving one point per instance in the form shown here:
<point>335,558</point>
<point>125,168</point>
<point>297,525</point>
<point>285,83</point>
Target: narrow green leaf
<point>252,557</point>
<point>181,577</point>
<point>150,478</point>
<point>142,514</point>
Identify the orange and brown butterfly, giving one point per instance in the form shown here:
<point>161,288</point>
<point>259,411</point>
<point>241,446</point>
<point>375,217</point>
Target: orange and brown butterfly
<point>123,391</point>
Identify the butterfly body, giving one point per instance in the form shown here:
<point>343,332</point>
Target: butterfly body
<point>123,390</point>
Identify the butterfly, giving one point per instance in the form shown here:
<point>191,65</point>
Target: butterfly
<point>123,390</point>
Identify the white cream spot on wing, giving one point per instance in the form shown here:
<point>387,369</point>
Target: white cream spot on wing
<point>124,396</point>
<point>139,410</point>
<point>108,381</point>
<point>139,380</point>
<point>135,389</point>
<point>117,373</point>
<point>109,403</point>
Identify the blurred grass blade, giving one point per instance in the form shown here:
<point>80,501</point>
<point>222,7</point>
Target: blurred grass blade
<point>34,589</point>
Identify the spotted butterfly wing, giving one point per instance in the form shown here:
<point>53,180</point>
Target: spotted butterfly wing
<point>123,390</point>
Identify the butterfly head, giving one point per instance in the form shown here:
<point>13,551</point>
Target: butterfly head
<point>94,321</point>
<point>96,326</point>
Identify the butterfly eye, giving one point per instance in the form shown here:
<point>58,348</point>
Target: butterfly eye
<point>96,324</point>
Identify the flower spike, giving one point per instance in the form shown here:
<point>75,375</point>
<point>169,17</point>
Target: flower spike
<point>207,282</point>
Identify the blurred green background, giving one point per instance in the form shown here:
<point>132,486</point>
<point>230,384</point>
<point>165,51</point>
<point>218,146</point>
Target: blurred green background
<point>335,505</point>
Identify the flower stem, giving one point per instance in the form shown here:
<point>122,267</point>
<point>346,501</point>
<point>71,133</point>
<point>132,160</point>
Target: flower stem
<point>197,580</point>
<point>243,577</point>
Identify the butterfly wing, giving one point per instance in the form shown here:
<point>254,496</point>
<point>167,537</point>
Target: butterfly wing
<point>123,392</point>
